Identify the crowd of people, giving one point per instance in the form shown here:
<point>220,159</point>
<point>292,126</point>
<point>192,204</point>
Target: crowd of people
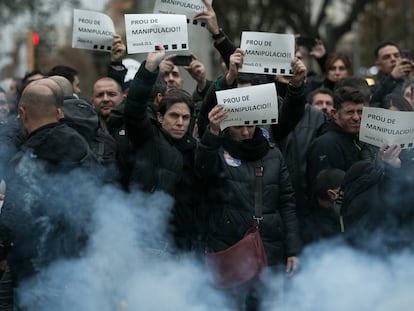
<point>149,134</point>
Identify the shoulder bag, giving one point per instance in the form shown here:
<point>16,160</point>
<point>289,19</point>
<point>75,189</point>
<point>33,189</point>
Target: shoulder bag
<point>244,260</point>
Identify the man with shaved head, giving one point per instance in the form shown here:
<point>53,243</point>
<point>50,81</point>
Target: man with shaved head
<point>64,84</point>
<point>107,94</point>
<point>38,179</point>
<point>40,104</point>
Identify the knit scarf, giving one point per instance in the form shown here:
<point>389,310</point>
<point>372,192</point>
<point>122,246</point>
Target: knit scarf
<point>248,149</point>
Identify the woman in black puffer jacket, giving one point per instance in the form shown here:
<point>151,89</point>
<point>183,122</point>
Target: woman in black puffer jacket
<point>227,163</point>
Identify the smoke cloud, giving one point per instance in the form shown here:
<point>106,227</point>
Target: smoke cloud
<point>123,265</point>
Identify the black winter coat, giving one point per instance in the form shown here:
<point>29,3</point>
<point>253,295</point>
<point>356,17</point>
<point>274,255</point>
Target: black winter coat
<point>161,163</point>
<point>333,149</point>
<point>158,164</point>
<point>384,87</point>
<point>41,213</point>
<point>295,150</point>
<point>229,199</point>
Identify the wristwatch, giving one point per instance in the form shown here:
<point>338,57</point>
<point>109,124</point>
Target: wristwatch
<point>219,35</point>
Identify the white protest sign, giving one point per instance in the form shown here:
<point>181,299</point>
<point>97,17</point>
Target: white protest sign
<point>187,7</point>
<point>252,105</point>
<point>267,53</point>
<point>132,67</point>
<point>92,31</point>
<point>144,32</point>
<point>382,126</point>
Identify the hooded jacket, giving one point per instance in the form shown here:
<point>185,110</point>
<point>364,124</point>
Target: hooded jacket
<point>38,187</point>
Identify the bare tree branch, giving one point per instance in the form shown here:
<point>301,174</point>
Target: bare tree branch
<point>338,31</point>
<point>322,13</point>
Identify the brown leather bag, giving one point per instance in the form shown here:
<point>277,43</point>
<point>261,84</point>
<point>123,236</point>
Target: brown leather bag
<point>239,263</point>
<point>244,260</point>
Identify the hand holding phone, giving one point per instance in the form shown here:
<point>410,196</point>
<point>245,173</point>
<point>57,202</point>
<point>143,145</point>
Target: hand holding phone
<point>405,54</point>
<point>306,42</point>
<point>182,60</point>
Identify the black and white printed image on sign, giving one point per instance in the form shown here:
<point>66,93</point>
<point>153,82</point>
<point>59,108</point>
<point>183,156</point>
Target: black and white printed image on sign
<point>92,31</point>
<point>144,32</point>
<point>252,105</point>
<point>382,126</point>
<point>187,7</point>
<point>267,53</point>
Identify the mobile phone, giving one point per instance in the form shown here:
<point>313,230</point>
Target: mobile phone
<point>306,42</point>
<point>405,54</point>
<point>182,60</point>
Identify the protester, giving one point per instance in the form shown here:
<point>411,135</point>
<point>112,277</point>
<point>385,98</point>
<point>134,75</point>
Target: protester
<point>116,69</point>
<point>238,148</point>
<point>291,107</point>
<point>358,83</point>
<point>323,218</point>
<point>11,135</point>
<point>163,150</point>
<point>13,89</point>
<point>30,76</point>
<point>107,94</point>
<point>393,71</point>
<point>295,146</point>
<point>338,147</point>
<point>322,100</point>
<point>69,73</point>
<point>4,106</point>
<point>376,208</point>
<point>359,196</point>
<point>395,102</point>
<point>37,227</point>
<point>227,161</point>
<point>338,66</point>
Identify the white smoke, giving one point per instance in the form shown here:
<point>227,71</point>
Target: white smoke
<point>119,270</point>
<point>334,276</point>
<point>123,266</point>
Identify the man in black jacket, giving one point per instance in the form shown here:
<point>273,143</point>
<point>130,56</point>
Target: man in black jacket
<point>394,70</point>
<point>39,207</point>
<point>338,147</point>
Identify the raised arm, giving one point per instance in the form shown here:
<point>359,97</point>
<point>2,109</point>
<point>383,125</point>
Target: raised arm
<point>138,122</point>
<point>292,108</point>
<point>221,42</point>
<point>116,69</point>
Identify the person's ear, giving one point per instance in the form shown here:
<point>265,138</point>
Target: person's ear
<point>160,117</point>
<point>158,98</point>
<point>333,194</point>
<point>22,113</point>
<point>334,113</point>
<point>59,113</point>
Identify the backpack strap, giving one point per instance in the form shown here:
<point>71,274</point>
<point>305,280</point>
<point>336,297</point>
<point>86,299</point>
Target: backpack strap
<point>258,192</point>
